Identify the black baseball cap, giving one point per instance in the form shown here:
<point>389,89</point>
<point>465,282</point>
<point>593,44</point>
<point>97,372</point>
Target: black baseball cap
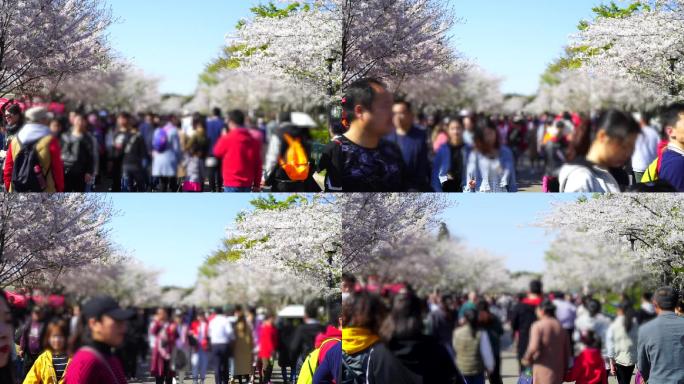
<point>100,306</point>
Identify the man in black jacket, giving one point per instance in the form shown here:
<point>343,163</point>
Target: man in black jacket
<point>304,337</point>
<point>524,314</point>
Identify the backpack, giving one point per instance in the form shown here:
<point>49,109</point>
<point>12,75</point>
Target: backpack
<point>356,373</point>
<point>651,175</point>
<point>310,364</point>
<point>296,162</point>
<point>28,174</point>
<point>160,143</point>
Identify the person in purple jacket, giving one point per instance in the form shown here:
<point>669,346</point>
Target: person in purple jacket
<point>672,163</point>
<point>215,127</point>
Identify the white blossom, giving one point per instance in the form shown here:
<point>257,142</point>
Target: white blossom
<point>652,224</point>
<point>243,282</point>
<point>42,236</point>
<point>50,40</point>
<point>339,41</point>
<point>588,263</point>
<point>460,86</point>
<point>638,46</point>
<point>127,280</point>
<point>118,87</point>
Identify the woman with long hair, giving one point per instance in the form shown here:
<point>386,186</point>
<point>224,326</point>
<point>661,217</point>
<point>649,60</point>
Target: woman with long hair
<point>362,316</point>
<point>448,174</point>
<point>51,365</point>
<point>244,344</point>
<point>408,355</point>
<point>621,343</point>
<point>474,355</point>
<point>491,165</point>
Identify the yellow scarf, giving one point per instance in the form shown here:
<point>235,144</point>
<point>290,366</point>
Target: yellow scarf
<point>355,340</point>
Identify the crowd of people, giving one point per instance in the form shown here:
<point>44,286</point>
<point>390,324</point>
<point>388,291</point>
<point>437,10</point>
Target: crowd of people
<point>379,144</point>
<point>102,343</point>
<point>393,335</point>
<point>99,151</point>
<point>384,146</point>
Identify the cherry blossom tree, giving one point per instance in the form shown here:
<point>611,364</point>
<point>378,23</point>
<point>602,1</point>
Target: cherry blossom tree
<point>395,39</point>
<point>292,43</point>
<point>460,86</point>
<point>50,40</point>
<point>299,236</point>
<point>126,279</point>
<point>246,283</point>
<point>642,41</point>
<point>588,263</point>
<point>42,236</point>
<point>118,87</point>
<point>379,228</point>
<point>244,89</point>
<point>586,91</point>
<point>651,225</point>
<point>474,269</point>
<point>327,44</point>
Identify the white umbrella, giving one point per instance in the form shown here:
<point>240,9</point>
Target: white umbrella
<point>303,120</point>
<point>292,311</point>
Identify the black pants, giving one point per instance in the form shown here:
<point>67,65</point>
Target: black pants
<point>74,181</point>
<point>29,359</point>
<point>167,378</point>
<point>215,178</point>
<point>167,184</point>
<point>219,354</point>
<point>570,333</point>
<point>624,373</point>
<point>130,362</point>
<point>495,377</point>
<point>133,180</point>
<point>117,174</point>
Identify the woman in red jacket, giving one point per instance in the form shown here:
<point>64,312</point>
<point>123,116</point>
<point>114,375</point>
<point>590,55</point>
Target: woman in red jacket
<point>199,329</point>
<point>96,363</point>
<point>268,342</point>
<point>589,367</point>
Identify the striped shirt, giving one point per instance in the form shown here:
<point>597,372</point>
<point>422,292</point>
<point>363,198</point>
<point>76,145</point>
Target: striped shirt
<point>59,363</point>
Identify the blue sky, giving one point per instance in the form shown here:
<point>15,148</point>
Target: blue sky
<point>175,39</point>
<point>518,39</point>
<point>505,225</point>
<point>175,233</point>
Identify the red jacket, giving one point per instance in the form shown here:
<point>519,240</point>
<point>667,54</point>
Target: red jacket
<point>195,331</point>
<point>88,368</point>
<point>56,167</point>
<point>589,368</point>
<point>268,341</point>
<point>240,156</point>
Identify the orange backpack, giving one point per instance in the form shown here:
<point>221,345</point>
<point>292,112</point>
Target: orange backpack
<point>296,163</point>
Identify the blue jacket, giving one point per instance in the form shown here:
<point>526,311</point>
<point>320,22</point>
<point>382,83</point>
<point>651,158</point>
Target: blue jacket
<point>660,351</point>
<point>414,150</point>
<point>330,368</point>
<point>672,167</point>
<point>214,129</point>
<point>442,166</point>
<point>478,169</point>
